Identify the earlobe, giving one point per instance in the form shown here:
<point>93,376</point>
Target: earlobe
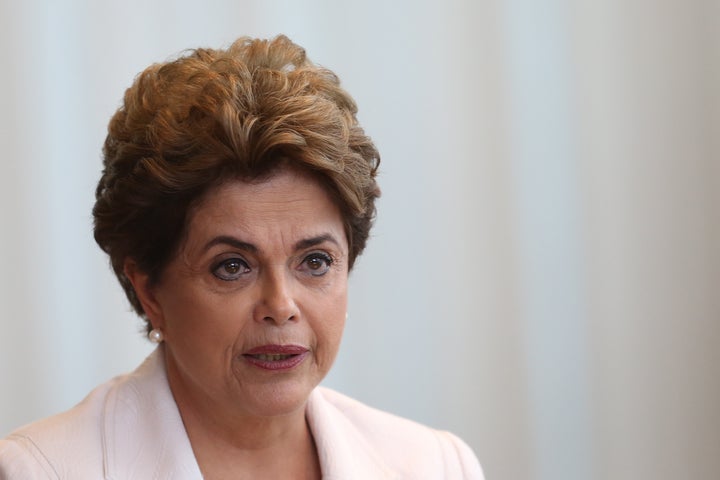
<point>141,284</point>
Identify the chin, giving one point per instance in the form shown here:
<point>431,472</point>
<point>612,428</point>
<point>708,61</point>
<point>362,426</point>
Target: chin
<point>280,399</point>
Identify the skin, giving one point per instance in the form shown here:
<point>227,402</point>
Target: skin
<point>262,263</point>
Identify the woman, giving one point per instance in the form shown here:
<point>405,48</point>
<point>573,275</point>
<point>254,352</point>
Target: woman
<point>238,190</point>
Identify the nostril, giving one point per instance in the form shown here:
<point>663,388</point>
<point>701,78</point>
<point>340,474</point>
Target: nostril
<point>279,318</point>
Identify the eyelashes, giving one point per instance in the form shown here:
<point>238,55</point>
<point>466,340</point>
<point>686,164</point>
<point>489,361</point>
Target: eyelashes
<point>315,264</point>
<point>231,269</point>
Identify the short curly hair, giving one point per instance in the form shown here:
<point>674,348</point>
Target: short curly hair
<point>188,125</point>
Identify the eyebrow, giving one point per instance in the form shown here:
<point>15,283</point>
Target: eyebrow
<point>249,247</point>
<point>232,241</point>
<point>311,242</point>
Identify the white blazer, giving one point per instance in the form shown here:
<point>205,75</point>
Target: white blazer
<point>130,428</point>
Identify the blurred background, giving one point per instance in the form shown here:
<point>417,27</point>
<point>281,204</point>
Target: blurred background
<point>543,275</point>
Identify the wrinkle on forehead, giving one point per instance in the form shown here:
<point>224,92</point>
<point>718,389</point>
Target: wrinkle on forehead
<point>257,213</point>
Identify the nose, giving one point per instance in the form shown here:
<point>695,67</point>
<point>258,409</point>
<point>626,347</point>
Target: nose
<point>276,303</point>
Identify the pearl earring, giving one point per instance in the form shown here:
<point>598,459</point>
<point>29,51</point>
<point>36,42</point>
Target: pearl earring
<point>155,335</point>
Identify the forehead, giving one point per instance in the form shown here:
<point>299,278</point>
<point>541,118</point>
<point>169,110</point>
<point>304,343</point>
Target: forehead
<point>284,186</point>
<point>286,201</point>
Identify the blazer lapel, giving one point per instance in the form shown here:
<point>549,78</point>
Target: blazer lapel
<point>143,433</point>
<point>344,452</point>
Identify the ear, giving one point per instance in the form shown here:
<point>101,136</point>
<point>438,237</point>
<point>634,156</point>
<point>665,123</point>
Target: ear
<point>141,284</point>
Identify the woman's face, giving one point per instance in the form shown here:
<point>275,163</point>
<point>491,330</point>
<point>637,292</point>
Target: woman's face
<point>253,306</point>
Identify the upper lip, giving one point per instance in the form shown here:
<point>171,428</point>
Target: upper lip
<point>276,350</point>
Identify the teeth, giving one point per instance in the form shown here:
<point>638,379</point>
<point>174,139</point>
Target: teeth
<point>271,358</point>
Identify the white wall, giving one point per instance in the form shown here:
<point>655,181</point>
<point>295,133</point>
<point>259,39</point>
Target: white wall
<point>543,275</point>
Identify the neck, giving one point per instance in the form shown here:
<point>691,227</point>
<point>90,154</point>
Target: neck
<point>228,443</point>
<point>264,448</point>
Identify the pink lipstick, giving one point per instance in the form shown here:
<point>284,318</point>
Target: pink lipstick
<point>276,357</point>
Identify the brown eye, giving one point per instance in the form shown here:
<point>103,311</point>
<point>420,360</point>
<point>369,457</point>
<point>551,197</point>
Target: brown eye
<point>317,264</point>
<point>231,269</point>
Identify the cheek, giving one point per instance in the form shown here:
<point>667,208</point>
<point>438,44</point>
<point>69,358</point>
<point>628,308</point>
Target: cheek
<point>332,323</point>
<point>188,309</point>
<point>334,329</point>
<point>325,306</point>
<point>206,328</point>
<point>329,340</point>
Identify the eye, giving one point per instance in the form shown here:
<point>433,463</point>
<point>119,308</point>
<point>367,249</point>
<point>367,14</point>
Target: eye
<point>317,264</point>
<point>230,269</point>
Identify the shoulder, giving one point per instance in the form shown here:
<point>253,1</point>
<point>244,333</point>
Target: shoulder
<point>128,427</point>
<point>56,447</point>
<point>410,449</point>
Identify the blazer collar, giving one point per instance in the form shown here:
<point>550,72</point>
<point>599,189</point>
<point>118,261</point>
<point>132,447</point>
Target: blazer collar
<point>344,452</point>
<point>143,433</point>
<point>144,436</point>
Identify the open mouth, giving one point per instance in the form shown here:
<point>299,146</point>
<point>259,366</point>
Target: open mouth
<point>264,357</point>
<point>276,357</point>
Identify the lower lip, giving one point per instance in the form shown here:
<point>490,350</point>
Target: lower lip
<point>286,364</point>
